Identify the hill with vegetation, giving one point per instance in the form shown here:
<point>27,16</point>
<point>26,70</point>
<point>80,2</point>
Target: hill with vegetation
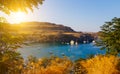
<point>44,27</point>
<point>51,32</point>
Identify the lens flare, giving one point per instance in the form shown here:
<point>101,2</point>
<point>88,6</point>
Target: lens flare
<point>18,17</point>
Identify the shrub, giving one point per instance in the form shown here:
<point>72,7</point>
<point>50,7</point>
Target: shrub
<point>51,65</point>
<point>101,65</point>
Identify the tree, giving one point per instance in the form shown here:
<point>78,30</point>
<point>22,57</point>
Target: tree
<point>110,36</point>
<point>11,61</point>
<point>8,40</point>
<point>8,6</point>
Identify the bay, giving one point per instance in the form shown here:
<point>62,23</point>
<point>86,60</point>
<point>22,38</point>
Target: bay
<point>73,52</point>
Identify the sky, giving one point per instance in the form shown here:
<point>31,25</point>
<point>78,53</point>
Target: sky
<point>80,15</point>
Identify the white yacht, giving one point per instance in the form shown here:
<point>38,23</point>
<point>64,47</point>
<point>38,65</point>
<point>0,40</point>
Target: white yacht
<point>72,42</point>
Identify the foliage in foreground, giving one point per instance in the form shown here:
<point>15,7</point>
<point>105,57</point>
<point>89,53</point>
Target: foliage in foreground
<point>51,65</point>
<point>102,65</point>
<point>17,65</point>
<point>97,65</point>
<point>10,62</point>
<point>9,6</point>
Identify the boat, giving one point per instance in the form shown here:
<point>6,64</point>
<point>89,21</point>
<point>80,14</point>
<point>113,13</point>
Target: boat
<point>63,54</point>
<point>76,43</point>
<point>94,42</point>
<point>72,42</point>
<point>50,52</point>
<point>84,42</point>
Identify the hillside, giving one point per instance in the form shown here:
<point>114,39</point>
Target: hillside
<point>45,27</point>
<point>50,32</point>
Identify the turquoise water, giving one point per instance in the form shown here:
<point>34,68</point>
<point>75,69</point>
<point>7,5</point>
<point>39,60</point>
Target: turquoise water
<point>73,52</point>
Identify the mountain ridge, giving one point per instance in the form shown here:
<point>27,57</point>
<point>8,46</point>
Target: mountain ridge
<point>47,26</point>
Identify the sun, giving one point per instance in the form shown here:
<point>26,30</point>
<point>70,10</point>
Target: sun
<point>18,17</point>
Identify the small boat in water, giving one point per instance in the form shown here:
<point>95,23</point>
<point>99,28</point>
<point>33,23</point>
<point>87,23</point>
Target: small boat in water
<point>84,42</point>
<point>63,54</point>
<point>94,42</point>
<point>72,42</point>
<point>50,52</point>
<point>76,43</point>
